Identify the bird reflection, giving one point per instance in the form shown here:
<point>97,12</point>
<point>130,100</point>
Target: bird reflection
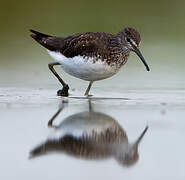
<point>90,135</point>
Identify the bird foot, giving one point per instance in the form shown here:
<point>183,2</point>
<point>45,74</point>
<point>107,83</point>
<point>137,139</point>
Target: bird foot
<point>88,95</point>
<point>63,91</point>
<point>50,123</point>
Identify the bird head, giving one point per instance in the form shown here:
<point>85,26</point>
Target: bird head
<point>130,156</point>
<point>131,39</point>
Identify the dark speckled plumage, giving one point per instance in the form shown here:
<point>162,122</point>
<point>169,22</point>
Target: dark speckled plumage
<point>99,45</point>
<point>91,56</point>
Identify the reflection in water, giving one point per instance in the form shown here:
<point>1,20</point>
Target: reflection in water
<point>90,135</point>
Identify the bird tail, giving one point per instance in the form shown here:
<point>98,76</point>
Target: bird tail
<point>37,151</point>
<point>45,148</point>
<point>41,38</point>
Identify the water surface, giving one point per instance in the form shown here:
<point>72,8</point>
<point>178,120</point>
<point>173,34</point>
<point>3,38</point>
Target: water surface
<point>26,112</point>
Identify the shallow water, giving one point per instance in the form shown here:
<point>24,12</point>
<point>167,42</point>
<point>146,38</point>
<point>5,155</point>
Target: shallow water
<point>26,112</point>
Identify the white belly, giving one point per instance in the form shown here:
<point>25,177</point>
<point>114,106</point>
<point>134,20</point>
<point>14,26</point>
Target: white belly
<point>83,68</point>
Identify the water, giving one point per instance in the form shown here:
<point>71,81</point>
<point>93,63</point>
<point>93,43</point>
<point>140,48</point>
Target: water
<point>26,112</point>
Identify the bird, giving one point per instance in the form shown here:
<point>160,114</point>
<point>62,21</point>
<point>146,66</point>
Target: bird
<point>90,56</point>
<point>90,135</point>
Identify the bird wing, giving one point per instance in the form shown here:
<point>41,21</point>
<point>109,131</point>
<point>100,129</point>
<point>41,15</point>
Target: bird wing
<point>83,44</point>
<point>86,44</point>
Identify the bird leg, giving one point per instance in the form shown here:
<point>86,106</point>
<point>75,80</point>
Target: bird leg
<point>50,122</point>
<point>90,105</point>
<point>88,89</point>
<point>64,90</point>
<point>61,107</point>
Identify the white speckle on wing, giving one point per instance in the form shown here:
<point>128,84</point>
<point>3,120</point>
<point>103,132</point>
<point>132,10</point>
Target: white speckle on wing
<point>84,68</point>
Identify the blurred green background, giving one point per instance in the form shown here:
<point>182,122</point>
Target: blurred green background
<point>161,25</point>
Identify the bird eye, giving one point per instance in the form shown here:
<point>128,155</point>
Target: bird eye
<point>128,40</point>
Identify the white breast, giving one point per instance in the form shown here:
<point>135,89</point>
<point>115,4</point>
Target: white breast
<point>84,68</point>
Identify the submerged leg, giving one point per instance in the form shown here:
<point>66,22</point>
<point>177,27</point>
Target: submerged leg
<point>88,88</point>
<point>90,105</point>
<point>64,91</point>
<point>50,122</point>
